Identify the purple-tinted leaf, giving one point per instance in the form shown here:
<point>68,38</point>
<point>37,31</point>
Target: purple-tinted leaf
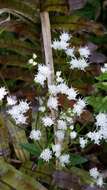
<point>92,188</point>
<point>66,180</point>
<point>92,47</point>
<point>76,4</point>
<point>98,58</point>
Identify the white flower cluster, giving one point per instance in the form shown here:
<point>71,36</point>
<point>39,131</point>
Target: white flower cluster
<point>97,176</point>
<point>52,103</point>
<point>62,43</point>
<point>75,63</point>
<point>79,107</point>
<point>101,131</point>
<point>43,74</point>
<point>3,92</point>
<point>62,125</point>
<point>11,100</point>
<point>32,61</point>
<point>47,121</point>
<point>64,159</point>
<point>35,135</point>
<point>17,112</point>
<point>46,154</point>
<point>56,149</point>
<point>83,142</point>
<point>80,63</point>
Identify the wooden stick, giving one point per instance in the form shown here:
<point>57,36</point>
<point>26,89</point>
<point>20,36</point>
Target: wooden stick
<point>46,33</point>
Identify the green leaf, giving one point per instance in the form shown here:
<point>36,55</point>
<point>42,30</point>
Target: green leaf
<point>102,77</point>
<point>77,159</point>
<point>32,148</point>
<point>54,5</point>
<point>98,103</point>
<point>17,180</point>
<point>102,85</point>
<point>91,9</point>
<point>84,176</point>
<point>24,8</point>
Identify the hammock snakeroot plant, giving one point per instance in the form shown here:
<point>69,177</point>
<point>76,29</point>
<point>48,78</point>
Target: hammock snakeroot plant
<point>64,122</point>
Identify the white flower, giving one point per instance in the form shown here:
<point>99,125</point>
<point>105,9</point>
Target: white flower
<point>23,106</point>
<point>35,135</point>
<point>60,135</point>
<point>11,100</point>
<point>42,108</point>
<point>84,52</point>
<point>52,103</point>
<point>47,121</point>
<point>104,69</point>
<point>64,37</point>
<point>62,88</point>
<point>58,77</point>
<point>103,132</point>
<point>71,127</point>
<point>57,149</point>
<point>101,120</point>
<point>95,136</point>
<point>99,181</point>
<point>62,125</point>
<point>39,78</point>
<point>70,52</point>
<point>94,173</point>
<point>80,63</point>
<point>60,45</point>
<point>69,119</point>
<point>58,73</point>
<point>73,134</point>
<point>97,176</point>
<point>71,94</point>
<point>30,61</point>
<point>53,89</point>
<point>34,56</point>
<point>59,80</point>
<point>21,119</point>
<point>17,112</point>
<point>79,107</point>
<point>44,70</point>
<point>64,159</point>
<point>3,92</point>
<point>34,63</point>
<point>46,154</point>
<point>43,73</point>
<point>82,142</point>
